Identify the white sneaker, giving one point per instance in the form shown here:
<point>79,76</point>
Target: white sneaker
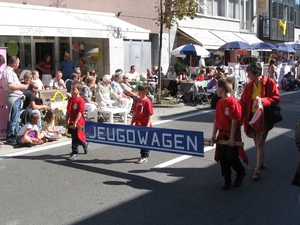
<point>121,119</point>
<point>129,115</point>
<point>141,160</point>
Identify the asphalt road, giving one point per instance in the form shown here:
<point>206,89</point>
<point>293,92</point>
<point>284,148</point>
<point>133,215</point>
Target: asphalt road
<point>107,187</point>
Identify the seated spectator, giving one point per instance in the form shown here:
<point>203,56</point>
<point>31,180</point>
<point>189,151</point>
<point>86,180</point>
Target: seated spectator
<point>87,94</point>
<point>80,77</point>
<point>27,78</point>
<point>57,82</point>
<point>49,126</point>
<point>29,134</point>
<point>68,83</point>
<point>201,75</point>
<point>127,88</point>
<point>172,74</point>
<point>126,100</point>
<point>152,80</point>
<point>104,93</point>
<point>132,74</point>
<point>30,106</point>
<point>20,73</point>
<point>36,79</point>
<point>289,83</point>
<point>211,87</point>
<point>93,74</point>
<point>183,77</point>
<point>143,80</point>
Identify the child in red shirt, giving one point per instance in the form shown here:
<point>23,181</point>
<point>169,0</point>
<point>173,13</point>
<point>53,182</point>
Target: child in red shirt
<point>228,124</point>
<point>142,115</point>
<point>75,121</point>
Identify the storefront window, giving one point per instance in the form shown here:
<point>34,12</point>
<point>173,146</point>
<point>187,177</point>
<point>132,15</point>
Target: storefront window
<point>92,51</point>
<point>18,46</point>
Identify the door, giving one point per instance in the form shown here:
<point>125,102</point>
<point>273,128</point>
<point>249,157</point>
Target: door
<point>43,49</point>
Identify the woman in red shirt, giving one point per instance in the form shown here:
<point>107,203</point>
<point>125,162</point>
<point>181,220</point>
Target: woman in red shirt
<point>46,68</point>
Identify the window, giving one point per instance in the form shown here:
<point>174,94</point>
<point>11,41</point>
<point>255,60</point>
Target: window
<point>219,8</point>
<point>233,9</point>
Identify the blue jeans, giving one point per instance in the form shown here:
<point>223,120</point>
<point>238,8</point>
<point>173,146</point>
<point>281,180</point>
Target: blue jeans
<point>13,124</point>
<point>153,89</point>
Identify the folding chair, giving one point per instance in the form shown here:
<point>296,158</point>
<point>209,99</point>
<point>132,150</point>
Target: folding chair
<point>203,97</point>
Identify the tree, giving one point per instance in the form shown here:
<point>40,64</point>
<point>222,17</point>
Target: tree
<point>174,10</point>
<point>58,3</point>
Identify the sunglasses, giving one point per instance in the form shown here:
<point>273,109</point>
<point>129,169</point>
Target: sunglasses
<point>126,78</point>
<point>35,87</point>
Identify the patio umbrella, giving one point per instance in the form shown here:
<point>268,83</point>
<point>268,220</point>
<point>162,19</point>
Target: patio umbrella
<point>264,46</point>
<point>236,45</point>
<point>295,46</point>
<point>190,50</point>
<point>284,48</point>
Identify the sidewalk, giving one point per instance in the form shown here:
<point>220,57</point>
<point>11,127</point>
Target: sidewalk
<point>159,111</point>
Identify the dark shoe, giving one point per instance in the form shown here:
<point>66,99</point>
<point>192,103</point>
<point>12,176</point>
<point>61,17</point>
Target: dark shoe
<point>262,167</point>
<point>239,180</point>
<point>73,156</point>
<point>86,148</point>
<point>256,176</point>
<point>226,184</point>
<point>11,141</point>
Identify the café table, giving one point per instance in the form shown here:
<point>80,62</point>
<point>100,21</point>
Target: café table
<point>187,87</point>
<point>187,90</point>
<point>166,82</point>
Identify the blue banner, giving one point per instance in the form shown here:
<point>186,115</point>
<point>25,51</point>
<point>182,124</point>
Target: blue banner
<point>155,139</point>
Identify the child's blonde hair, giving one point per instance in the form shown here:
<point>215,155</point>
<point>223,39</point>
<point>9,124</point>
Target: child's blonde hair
<point>34,119</point>
<point>35,73</point>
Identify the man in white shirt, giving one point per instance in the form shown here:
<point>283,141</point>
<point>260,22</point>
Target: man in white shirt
<point>57,82</point>
<point>132,74</point>
<point>172,74</point>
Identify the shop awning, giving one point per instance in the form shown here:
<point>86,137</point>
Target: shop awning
<point>226,36</point>
<point>249,38</point>
<point>204,37</point>
<point>28,20</point>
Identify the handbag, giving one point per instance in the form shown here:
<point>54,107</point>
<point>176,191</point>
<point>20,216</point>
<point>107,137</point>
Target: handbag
<point>272,113</point>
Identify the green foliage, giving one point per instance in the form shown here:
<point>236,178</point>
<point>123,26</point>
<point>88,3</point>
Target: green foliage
<point>179,65</point>
<point>175,10</point>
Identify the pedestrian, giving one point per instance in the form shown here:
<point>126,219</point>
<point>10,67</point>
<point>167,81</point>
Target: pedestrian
<point>264,88</point>
<point>142,115</point>
<point>228,123</point>
<point>75,121</point>
<point>67,67</point>
<point>13,97</point>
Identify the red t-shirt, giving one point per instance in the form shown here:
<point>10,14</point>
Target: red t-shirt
<point>143,109</point>
<point>47,67</point>
<point>226,110</point>
<point>76,105</point>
